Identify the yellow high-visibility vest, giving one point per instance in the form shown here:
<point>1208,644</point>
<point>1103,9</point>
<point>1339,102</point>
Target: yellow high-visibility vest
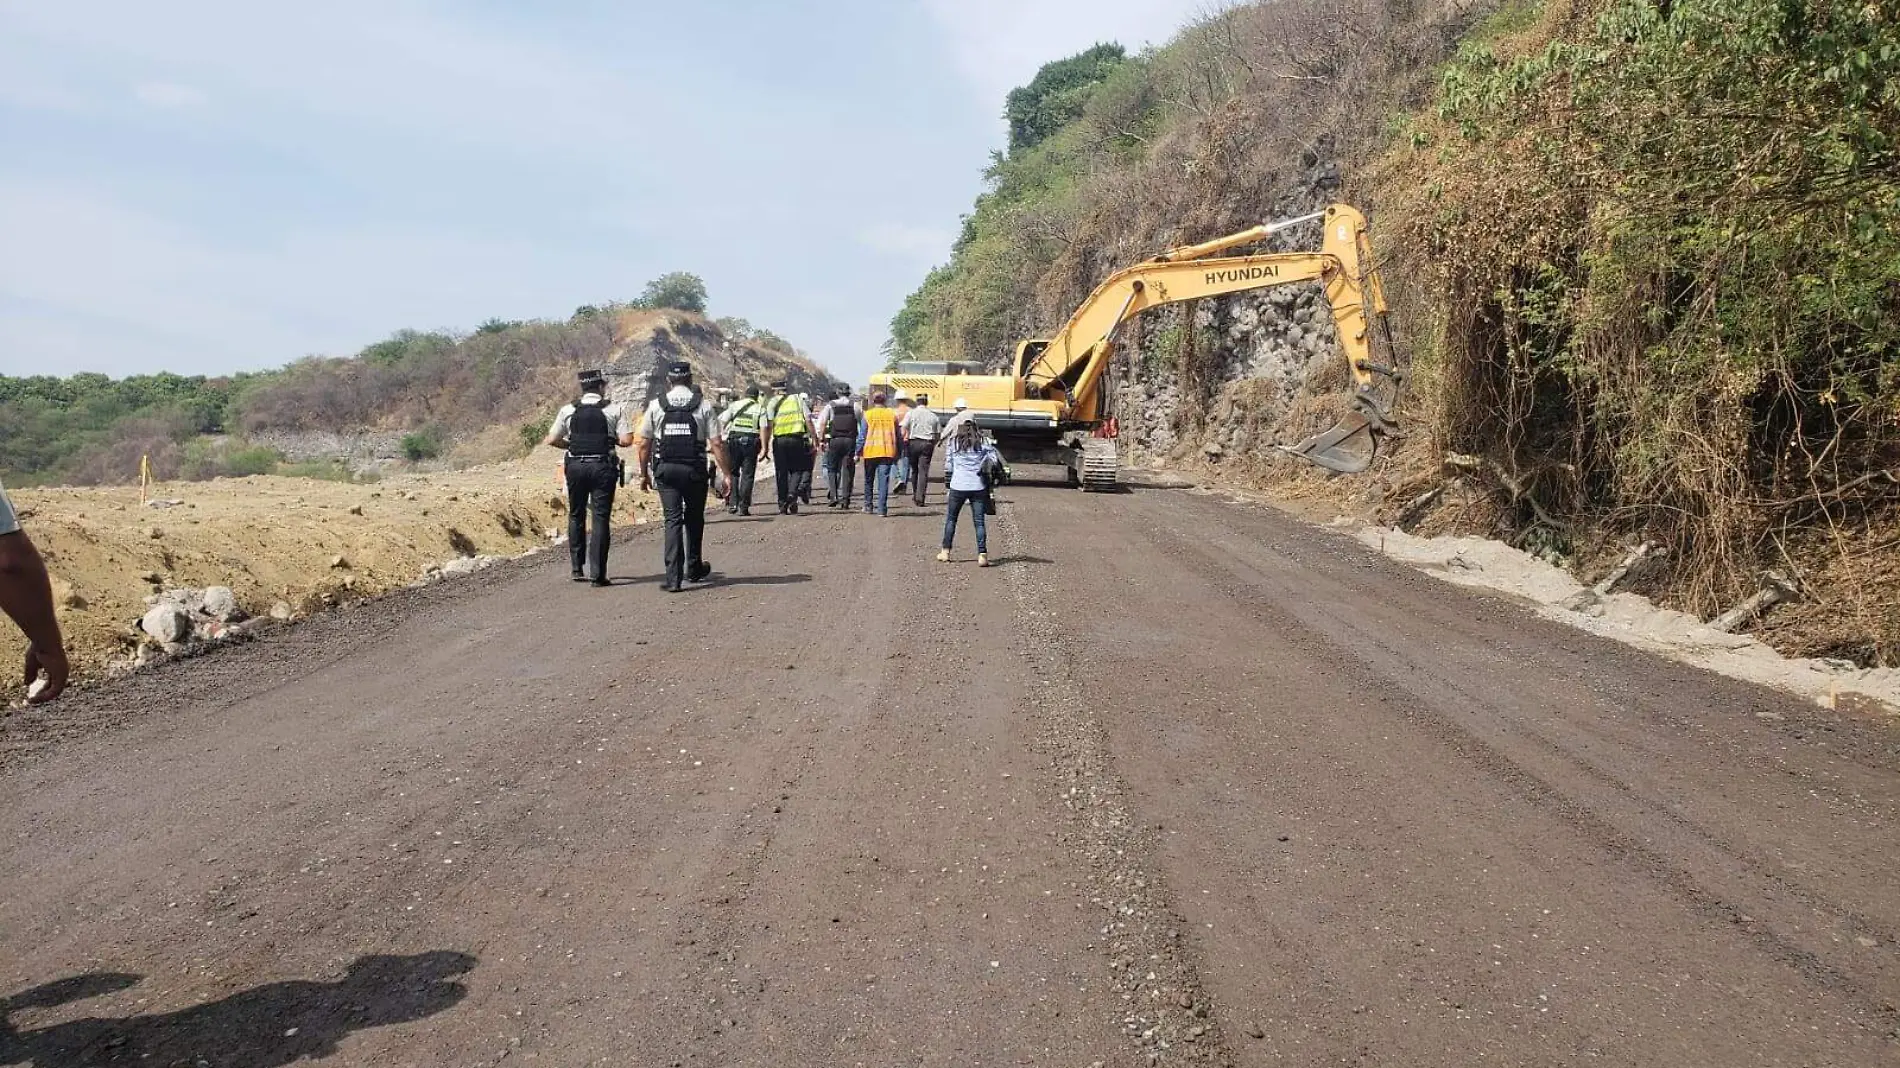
<point>788,417</point>
<point>880,434</point>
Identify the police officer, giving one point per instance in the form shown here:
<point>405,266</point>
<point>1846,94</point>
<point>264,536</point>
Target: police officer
<point>740,427</point>
<point>844,420</point>
<point>679,429</point>
<point>588,430</point>
<point>786,426</point>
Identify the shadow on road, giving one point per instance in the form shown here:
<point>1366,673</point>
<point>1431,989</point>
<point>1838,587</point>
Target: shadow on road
<point>718,579</point>
<point>265,1027</point>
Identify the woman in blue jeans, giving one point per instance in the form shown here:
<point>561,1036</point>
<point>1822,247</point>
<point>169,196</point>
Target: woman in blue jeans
<point>964,456</point>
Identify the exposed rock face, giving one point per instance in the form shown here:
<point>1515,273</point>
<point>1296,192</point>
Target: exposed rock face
<point>637,367</point>
<point>1257,355</point>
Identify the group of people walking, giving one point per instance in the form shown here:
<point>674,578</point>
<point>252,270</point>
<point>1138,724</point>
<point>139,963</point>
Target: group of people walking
<point>684,447</point>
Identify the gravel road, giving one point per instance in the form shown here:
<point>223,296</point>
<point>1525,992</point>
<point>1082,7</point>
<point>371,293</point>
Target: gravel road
<point>1179,782</point>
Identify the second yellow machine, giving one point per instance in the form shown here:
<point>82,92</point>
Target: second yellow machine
<point>1054,408</point>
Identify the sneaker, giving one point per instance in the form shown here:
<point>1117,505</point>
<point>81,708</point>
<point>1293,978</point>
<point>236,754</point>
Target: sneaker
<point>700,572</point>
<point>943,556</point>
<point>982,559</point>
<point>669,586</point>
<point>600,583</point>
<point>578,576</point>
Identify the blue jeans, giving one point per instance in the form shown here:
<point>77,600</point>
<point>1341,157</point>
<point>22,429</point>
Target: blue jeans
<point>955,501</point>
<point>877,484</point>
<point>903,464</point>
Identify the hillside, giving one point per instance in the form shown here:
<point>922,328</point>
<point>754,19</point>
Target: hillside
<point>1643,259</point>
<point>415,398</point>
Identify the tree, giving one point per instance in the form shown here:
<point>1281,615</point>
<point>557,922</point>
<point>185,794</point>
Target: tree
<point>735,328</point>
<point>1057,94</point>
<point>678,289</point>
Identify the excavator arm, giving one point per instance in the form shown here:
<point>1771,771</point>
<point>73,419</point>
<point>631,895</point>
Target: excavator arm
<point>1069,366</point>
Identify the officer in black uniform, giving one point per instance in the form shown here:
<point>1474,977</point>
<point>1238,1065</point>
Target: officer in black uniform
<point>676,433</point>
<point>588,430</point>
<point>842,420</point>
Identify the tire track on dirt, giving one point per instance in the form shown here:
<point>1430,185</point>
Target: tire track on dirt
<point>1170,1017</point>
<point>1423,691</point>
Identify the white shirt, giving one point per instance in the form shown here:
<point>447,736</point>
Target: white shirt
<point>956,421</point>
<point>9,520</point>
<point>704,418</point>
<point>617,421</point>
<point>922,424</point>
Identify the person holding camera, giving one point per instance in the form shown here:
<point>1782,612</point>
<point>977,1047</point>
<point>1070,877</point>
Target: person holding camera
<point>969,464</point>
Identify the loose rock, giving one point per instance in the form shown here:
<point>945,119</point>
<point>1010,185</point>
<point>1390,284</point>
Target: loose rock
<point>167,623</point>
<point>221,604</point>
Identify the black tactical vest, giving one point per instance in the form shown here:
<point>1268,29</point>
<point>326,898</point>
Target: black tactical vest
<point>588,432</point>
<point>844,421</point>
<point>679,433</point>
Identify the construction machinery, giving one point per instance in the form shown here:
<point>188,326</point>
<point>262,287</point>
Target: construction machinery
<point>1054,406</point>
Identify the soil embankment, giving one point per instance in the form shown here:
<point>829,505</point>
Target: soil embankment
<point>303,544</point>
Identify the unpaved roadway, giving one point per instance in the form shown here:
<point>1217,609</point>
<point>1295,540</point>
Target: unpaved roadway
<point>1179,779</point>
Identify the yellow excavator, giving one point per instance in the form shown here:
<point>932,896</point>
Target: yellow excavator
<point>1054,409</point>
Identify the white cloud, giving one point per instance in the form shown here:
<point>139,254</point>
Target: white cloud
<point>168,95</point>
<point>924,245</point>
<point>998,45</point>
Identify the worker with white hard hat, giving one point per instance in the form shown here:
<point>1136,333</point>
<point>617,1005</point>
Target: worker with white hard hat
<point>964,415</point>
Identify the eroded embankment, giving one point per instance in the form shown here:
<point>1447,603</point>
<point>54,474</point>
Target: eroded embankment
<point>289,544</point>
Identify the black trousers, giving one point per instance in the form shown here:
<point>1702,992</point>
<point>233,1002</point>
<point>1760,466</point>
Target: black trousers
<point>921,453</point>
<point>591,484</point>
<point>838,454</point>
<point>742,452</point>
<point>683,498</point>
<point>791,455</point>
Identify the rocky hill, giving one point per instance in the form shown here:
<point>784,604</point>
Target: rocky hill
<point>417,399</point>
<point>1643,259</point>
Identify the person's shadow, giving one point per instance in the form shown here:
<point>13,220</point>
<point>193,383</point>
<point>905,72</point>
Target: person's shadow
<point>264,1027</point>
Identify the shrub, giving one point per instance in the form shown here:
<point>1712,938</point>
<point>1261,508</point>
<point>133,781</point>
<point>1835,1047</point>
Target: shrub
<point>424,444</point>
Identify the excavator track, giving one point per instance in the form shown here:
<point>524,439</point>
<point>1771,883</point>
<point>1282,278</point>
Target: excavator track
<point>1100,463</point>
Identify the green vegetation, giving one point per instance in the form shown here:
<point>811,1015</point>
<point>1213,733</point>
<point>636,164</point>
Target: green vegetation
<point>1665,247</point>
<point>1057,95</point>
<point>436,386</point>
<point>679,290</point>
<point>89,427</point>
<point>424,444</point>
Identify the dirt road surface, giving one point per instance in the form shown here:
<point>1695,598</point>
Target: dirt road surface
<point>1179,782</point>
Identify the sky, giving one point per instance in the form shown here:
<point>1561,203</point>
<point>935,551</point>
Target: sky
<point>208,186</point>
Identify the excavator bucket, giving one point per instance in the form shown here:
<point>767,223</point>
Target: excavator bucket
<point>1348,448</point>
<point>1353,443</point>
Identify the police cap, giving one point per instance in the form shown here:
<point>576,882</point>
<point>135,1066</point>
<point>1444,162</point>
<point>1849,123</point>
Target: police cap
<point>679,369</point>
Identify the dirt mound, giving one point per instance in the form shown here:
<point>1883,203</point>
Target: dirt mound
<point>300,544</point>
